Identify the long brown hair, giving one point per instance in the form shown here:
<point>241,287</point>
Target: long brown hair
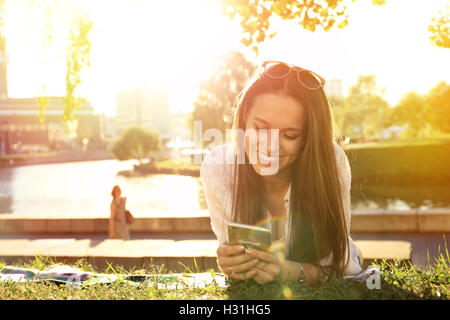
<point>316,225</point>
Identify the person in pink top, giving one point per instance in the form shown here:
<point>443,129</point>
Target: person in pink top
<point>118,228</point>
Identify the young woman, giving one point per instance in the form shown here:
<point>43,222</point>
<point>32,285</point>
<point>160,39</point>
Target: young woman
<point>118,228</point>
<point>304,200</point>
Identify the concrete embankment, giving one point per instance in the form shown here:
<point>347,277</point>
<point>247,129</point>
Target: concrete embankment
<point>70,156</point>
<point>363,221</point>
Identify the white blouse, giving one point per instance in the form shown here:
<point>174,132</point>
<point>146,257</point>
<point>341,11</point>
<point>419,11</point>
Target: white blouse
<point>217,176</point>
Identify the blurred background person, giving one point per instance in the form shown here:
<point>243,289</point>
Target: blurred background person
<point>118,228</point>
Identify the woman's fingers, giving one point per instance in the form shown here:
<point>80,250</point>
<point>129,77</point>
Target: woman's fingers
<point>238,268</point>
<point>239,263</point>
<point>229,250</point>
<point>244,266</point>
<point>232,255</point>
<point>263,277</point>
<point>270,268</point>
<point>244,275</point>
<point>264,256</point>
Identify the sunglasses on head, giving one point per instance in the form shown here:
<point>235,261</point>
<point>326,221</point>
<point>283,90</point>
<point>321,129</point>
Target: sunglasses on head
<point>279,70</point>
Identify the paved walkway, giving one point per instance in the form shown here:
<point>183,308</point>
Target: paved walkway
<point>140,251</point>
<point>173,251</point>
<point>420,243</point>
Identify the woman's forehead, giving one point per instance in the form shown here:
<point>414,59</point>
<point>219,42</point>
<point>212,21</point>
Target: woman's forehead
<point>278,111</point>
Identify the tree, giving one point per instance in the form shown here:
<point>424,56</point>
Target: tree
<point>136,142</point>
<point>254,16</point>
<point>364,112</point>
<point>439,29</point>
<point>216,102</point>
<point>78,57</point>
<point>411,110</point>
<point>438,107</point>
<point>2,29</point>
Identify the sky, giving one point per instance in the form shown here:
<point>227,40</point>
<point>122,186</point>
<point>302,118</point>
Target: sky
<point>173,44</point>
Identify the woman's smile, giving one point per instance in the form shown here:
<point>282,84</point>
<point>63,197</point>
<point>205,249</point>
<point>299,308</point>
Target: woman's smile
<point>266,160</point>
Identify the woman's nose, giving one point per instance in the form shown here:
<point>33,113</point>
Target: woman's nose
<point>268,142</point>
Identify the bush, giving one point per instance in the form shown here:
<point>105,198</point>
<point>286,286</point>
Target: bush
<point>136,143</point>
<point>400,161</point>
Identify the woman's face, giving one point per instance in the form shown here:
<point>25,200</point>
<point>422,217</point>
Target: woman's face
<point>275,111</point>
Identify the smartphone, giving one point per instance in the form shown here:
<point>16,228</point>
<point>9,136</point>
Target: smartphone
<point>249,236</point>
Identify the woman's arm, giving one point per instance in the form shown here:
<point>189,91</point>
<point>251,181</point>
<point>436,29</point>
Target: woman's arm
<point>231,259</point>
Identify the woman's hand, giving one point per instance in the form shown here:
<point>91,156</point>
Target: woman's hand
<point>235,262</point>
<point>269,267</point>
<point>312,273</point>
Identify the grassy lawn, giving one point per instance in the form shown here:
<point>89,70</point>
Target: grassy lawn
<point>397,282</point>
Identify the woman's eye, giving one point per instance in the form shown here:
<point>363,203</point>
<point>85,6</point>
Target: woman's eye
<point>290,137</point>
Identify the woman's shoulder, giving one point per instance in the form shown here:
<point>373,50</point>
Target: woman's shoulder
<point>218,162</point>
<point>221,154</point>
<point>343,164</point>
<point>341,156</point>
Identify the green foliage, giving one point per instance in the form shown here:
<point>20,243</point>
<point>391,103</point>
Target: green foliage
<point>426,115</point>
<point>136,142</point>
<point>410,110</point>
<point>254,16</point>
<point>438,100</point>
<point>400,161</point>
<point>398,282</point>
<point>364,112</point>
<point>78,57</point>
<point>439,29</point>
<point>48,11</point>
<point>2,27</point>
<point>42,102</point>
<point>215,104</point>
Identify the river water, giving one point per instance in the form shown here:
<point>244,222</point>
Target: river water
<point>83,189</point>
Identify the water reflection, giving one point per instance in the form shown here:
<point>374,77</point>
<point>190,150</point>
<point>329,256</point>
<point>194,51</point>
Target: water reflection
<point>400,197</point>
<point>83,188</point>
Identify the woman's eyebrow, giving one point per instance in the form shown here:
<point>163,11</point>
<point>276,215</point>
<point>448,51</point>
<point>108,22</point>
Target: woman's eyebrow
<point>285,129</point>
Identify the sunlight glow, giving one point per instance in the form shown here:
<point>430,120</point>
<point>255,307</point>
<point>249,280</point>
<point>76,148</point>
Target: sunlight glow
<point>174,43</point>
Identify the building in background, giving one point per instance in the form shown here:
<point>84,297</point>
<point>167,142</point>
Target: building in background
<point>21,130</point>
<point>160,112</point>
<point>132,108</point>
<point>149,109</point>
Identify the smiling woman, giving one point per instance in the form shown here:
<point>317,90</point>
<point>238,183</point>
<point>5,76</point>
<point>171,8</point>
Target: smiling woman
<point>305,202</point>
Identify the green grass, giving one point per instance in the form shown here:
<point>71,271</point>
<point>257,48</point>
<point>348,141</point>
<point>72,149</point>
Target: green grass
<point>397,282</point>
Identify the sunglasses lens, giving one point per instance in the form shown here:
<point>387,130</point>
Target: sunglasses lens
<point>277,70</point>
<point>309,80</point>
